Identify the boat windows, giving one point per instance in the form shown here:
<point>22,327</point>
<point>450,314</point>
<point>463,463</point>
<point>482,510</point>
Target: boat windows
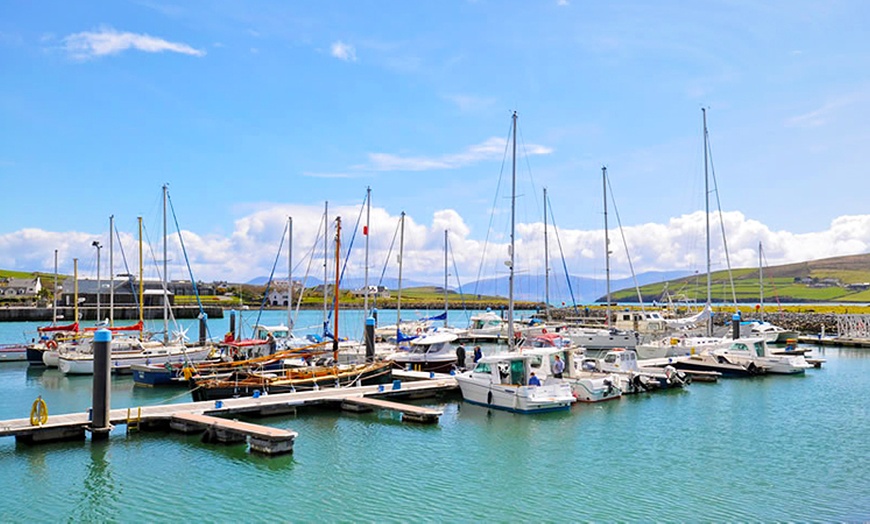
<point>518,372</point>
<point>482,367</point>
<point>759,349</point>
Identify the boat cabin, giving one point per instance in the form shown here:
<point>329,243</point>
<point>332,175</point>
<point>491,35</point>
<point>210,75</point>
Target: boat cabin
<point>619,360</point>
<point>503,369</point>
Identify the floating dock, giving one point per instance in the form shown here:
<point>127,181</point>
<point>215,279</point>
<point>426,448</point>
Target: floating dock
<point>182,417</point>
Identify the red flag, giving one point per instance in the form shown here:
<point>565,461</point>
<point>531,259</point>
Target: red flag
<point>365,230</point>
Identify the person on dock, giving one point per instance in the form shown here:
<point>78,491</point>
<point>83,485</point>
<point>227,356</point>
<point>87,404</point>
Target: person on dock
<point>534,380</point>
<point>460,356</point>
<point>478,354</point>
<point>558,367</point>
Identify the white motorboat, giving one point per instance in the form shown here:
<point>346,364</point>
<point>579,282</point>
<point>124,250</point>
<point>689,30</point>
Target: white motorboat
<point>586,386</point>
<point>676,346</point>
<point>633,378</point>
<point>771,333</point>
<point>501,381</point>
<point>431,352</point>
<point>755,351</point>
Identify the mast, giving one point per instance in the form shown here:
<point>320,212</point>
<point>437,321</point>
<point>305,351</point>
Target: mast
<point>546,262</point>
<point>141,276</point>
<point>54,293</point>
<point>707,218</point>
<point>111,270</point>
<point>399,293</point>
<point>606,243</point>
<point>97,245</point>
<point>325,264</point>
<point>335,291</point>
<point>760,283</point>
<point>76,288</point>
<point>366,269</point>
<point>510,332</point>
<point>445,278</point>
<point>165,281</point>
<point>290,273</point>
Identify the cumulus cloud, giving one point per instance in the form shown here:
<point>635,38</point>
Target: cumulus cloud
<point>343,51</point>
<point>492,148</point>
<point>108,41</point>
<point>252,249</point>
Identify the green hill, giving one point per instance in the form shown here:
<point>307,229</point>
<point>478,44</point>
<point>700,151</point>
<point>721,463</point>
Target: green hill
<point>838,279</point>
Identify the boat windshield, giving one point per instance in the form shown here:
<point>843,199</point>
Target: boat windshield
<point>482,367</point>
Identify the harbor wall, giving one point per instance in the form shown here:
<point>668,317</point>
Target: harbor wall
<point>45,314</point>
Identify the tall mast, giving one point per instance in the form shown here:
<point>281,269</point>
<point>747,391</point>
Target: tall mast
<point>325,264</point>
<point>606,243</point>
<point>546,261</point>
<point>335,291</point>
<point>513,227</point>
<point>111,270</point>
<point>97,245</point>
<point>760,284</point>
<point>445,278</point>
<point>54,294</point>
<point>366,269</point>
<point>290,273</point>
<point>141,276</point>
<point>707,218</point>
<point>76,288</point>
<point>399,293</point>
<point>165,278</point>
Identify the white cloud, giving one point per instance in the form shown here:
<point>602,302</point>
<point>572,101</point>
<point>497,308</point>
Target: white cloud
<point>822,115</point>
<point>108,41</point>
<point>470,103</point>
<point>562,2</point>
<point>253,246</point>
<point>343,51</point>
<point>492,148</point>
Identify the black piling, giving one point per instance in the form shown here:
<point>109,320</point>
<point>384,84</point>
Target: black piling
<point>100,426</point>
<point>203,328</point>
<point>735,326</point>
<point>370,339</point>
<point>233,323</point>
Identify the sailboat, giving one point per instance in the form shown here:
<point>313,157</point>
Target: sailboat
<point>501,381</point>
<point>129,351</point>
<point>760,327</point>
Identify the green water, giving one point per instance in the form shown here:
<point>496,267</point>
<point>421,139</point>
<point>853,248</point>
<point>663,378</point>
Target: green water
<point>771,449</point>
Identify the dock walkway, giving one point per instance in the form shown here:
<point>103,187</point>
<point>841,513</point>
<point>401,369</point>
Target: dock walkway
<point>74,425</point>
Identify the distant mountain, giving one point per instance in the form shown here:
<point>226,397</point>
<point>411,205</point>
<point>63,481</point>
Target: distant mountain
<point>585,290</point>
<point>350,283</point>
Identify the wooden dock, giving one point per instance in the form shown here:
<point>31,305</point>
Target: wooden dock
<point>73,426</point>
<point>409,412</point>
<point>271,441</point>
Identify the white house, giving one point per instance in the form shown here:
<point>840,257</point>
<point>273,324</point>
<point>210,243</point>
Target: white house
<point>20,287</point>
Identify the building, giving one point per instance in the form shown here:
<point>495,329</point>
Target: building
<point>374,292</point>
<point>278,295</point>
<point>20,287</point>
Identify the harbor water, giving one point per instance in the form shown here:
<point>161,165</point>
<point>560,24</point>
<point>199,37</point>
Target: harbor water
<point>775,448</point>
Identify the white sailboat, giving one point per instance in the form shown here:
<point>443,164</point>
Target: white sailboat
<point>501,381</point>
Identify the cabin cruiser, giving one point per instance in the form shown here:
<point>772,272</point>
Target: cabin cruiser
<point>634,378</point>
<point>431,352</point>
<point>755,351</point>
<point>601,339</point>
<point>675,346</point>
<point>771,333</point>
<point>586,386</point>
<point>501,381</point>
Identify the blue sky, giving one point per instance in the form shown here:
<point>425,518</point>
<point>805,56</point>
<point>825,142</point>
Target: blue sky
<point>255,111</point>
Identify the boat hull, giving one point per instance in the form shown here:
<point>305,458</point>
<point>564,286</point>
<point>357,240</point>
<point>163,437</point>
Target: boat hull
<point>216,390</point>
<point>13,353</point>
<point>516,399</point>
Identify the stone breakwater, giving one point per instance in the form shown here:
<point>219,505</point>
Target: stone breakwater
<point>805,323</point>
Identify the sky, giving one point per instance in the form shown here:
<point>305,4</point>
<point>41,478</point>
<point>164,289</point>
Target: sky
<point>253,112</point>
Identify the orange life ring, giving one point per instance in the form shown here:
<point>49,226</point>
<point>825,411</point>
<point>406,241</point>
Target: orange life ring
<point>51,344</point>
<point>543,331</point>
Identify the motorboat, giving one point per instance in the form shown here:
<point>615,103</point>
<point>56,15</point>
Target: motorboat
<point>755,351</point>
<point>675,346</point>
<point>431,352</point>
<point>771,333</point>
<point>501,381</point>
<point>633,378</point>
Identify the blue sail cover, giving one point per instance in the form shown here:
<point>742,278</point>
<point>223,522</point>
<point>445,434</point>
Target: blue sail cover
<point>442,316</point>
<point>401,337</point>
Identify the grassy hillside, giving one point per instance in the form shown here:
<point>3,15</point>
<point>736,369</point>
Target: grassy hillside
<point>825,280</point>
